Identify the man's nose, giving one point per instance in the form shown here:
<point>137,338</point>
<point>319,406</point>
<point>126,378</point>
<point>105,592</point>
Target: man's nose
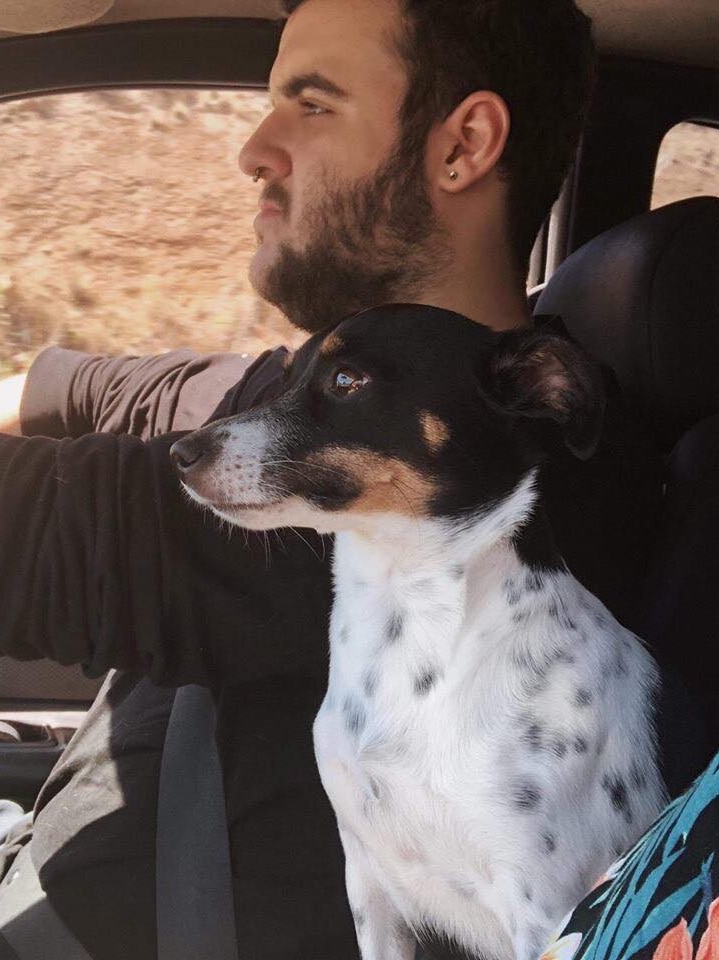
<point>264,153</point>
<point>188,454</point>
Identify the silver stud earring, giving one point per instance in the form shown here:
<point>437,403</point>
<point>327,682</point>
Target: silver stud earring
<point>257,174</point>
<point>453,175</point>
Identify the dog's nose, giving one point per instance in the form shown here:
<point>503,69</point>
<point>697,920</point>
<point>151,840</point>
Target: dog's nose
<point>187,453</point>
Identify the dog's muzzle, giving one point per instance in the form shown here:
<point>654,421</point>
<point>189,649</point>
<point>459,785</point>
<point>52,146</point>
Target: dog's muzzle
<point>188,454</point>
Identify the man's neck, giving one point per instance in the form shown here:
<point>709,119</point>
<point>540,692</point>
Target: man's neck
<point>485,289</point>
<point>498,312</point>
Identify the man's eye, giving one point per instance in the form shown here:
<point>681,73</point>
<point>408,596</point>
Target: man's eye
<point>313,109</point>
<point>348,381</point>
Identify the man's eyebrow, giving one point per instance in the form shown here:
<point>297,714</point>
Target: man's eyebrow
<point>312,81</point>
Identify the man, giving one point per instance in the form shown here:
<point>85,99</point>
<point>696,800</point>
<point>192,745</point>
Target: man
<point>413,150</point>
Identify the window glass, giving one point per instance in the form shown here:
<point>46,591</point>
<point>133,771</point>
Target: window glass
<point>687,165</point>
<point>126,225</point>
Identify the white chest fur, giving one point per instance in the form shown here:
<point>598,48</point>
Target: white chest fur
<point>486,739</point>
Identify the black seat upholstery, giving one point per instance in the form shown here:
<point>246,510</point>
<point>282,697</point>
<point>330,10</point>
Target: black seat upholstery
<point>643,299</point>
<point>679,609</point>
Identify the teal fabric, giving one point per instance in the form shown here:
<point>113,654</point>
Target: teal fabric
<point>661,900</point>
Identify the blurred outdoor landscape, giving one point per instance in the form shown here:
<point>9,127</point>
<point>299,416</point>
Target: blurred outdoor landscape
<point>126,225</point>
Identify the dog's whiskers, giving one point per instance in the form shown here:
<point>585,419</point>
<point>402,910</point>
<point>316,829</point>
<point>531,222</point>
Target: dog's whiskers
<point>309,545</point>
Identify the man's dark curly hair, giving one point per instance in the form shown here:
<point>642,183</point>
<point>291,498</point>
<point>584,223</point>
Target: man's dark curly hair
<point>538,55</point>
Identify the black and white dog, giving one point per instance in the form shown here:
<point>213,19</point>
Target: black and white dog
<point>487,738</point>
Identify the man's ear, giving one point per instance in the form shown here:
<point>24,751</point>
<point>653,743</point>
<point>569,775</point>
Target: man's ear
<point>469,143</point>
<point>546,377</point>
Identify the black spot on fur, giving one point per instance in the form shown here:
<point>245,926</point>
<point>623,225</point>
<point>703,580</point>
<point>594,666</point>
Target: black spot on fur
<point>580,745</point>
<point>359,919</point>
<point>355,716</point>
<point>526,796</point>
<point>620,666</point>
<point>558,747</point>
<point>617,790</point>
<point>369,684</point>
<point>564,657</point>
<point>527,894</point>
<point>457,571</point>
<point>550,842</point>
<point>533,581</point>
<point>520,616</point>
<point>533,736</point>
<point>512,592</point>
<point>395,625</point>
<point>424,682</point>
<point>583,697</point>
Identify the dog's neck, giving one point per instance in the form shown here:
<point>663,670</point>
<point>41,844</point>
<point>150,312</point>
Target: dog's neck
<point>403,545</point>
<point>429,575</point>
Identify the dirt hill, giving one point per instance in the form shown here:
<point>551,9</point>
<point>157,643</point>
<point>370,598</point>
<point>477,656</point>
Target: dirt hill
<point>127,226</point>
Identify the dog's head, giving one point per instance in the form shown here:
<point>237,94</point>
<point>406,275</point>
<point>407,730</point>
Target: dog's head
<point>405,410</point>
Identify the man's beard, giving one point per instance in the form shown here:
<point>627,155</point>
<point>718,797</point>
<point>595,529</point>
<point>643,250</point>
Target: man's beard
<point>376,241</point>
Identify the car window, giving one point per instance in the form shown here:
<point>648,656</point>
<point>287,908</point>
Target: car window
<point>126,228</point>
<point>127,225</point>
<point>687,164</point>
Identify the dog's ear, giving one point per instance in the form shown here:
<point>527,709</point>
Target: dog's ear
<point>544,376</point>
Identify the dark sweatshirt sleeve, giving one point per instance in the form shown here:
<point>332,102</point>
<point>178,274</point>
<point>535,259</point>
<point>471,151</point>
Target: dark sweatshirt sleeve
<point>69,393</point>
<point>103,562</point>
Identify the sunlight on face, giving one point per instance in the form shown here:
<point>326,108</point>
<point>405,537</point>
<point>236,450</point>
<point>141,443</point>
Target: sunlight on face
<point>336,85</point>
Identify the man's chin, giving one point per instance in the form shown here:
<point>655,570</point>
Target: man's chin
<point>260,267</point>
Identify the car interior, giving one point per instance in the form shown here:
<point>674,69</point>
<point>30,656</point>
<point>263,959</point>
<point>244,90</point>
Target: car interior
<point>638,287</point>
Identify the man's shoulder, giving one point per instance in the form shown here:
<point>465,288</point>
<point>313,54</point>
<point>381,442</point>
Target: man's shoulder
<point>261,382</point>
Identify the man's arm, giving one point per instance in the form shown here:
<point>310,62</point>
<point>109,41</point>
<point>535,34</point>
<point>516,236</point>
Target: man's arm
<point>11,390</point>
<point>69,393</point>
<point>103,562</point>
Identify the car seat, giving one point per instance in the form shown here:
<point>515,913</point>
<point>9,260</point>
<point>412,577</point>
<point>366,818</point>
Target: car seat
<point>643,299</point>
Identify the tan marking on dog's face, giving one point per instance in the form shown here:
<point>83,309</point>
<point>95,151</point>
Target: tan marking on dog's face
<point>287,360</point>
<point>435,431</point>
<point>388,485</point>
<point>331,344</point>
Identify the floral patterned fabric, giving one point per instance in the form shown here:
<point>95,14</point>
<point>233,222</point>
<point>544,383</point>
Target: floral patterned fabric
<point>661,900</point>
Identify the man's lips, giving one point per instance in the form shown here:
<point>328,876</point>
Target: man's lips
<point>268,214</point>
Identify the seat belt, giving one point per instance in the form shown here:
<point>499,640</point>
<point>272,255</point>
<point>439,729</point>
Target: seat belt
<point>195,898</point>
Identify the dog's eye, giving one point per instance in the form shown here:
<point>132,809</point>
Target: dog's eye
<point>348,381</point>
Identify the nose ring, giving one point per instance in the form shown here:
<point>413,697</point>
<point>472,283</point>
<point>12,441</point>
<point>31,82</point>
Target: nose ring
<point>257,174</point>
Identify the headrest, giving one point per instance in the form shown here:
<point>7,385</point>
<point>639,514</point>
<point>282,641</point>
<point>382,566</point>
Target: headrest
<point>39,16</point>
<point>643,298</point>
